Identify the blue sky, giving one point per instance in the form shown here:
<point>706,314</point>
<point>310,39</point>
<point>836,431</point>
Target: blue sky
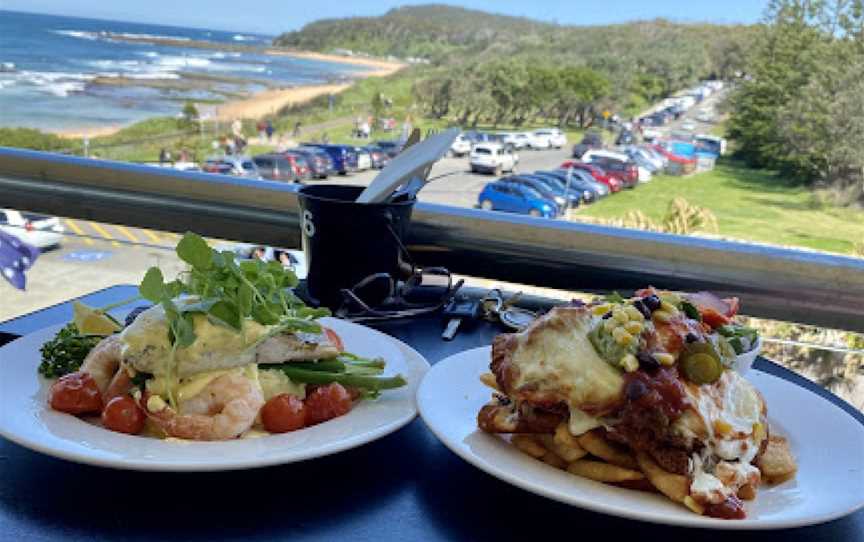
<point>275,16</point>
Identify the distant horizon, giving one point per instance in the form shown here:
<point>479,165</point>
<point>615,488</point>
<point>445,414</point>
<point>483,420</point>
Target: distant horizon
<point>380,9</point>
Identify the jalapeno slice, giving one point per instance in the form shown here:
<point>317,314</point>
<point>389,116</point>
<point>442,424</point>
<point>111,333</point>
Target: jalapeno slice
<point>701,368</point>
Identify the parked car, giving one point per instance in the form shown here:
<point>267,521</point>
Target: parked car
<point>538,141</point>
<point>644,160</point>
<point>364,159</point>
<point>615,164</point>
<point>392,148</point>
<point>591,140</point>
<point>575,194</point>
<point>513,198</point>
<point>596,172</point>
<point>492,158</point>
<point>378,155</point>
<point>549,190</point>
<point>711,144</point>
<point>344,157</point>
<point>240,166</point>
<point>554,136</point>
<point>41,231</point>
<point>579,181</point>
<point>460,146</point>
<point>282,167</point>
<point>320,164</point>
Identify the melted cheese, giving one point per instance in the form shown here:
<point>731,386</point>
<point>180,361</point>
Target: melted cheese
<point>559,360</point>
<point>735,404</point>
<point>146,345</point>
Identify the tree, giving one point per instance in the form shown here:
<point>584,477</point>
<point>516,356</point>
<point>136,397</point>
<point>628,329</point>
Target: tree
<point>189,116</point>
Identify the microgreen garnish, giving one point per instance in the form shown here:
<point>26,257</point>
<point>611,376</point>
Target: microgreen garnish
<point>227,291</point>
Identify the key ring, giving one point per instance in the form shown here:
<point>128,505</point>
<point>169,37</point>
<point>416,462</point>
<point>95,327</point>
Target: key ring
<point>492,303</point>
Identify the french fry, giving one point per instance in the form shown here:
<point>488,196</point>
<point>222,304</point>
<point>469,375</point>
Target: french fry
<point>564,437</point>
<point>528,445</point>
<point>596,445</point>
<point>777,464</point>
<point>551,458</point>
<point>602,472</point>
<point>489,379</point>
<point>694,506</point>
<point>674,486</point>
<point>747,492</point>
<point>567,453</point>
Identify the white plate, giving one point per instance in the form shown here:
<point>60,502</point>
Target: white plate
<point>826,441</point>
<point>25,418</point>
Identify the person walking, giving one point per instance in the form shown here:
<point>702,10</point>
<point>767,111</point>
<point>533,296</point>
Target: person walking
<point>262,130</point>
<point>296,132</point>
<point>268,128</point>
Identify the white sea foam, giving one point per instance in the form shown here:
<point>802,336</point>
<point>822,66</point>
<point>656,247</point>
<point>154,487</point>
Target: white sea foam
<point>241,37</point>
<point>80,34</point>
<point>148,54</point>
<point>151,36</point>
<point>183,62</point>
<point>7,67</point>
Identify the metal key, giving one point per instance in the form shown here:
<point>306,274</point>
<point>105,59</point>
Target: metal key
<point>458,310</point>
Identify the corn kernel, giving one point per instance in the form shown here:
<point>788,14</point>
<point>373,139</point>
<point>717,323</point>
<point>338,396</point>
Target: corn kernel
<point>722,428</point>
<point>668,307</point>
<point>155,403</point>
<point>629,363</point>
<point>634,313</point>
<point>600,310</point>
<point>664,358</point>
<point>634,328</point>
<point>609,324</point>
<point>758,431</point>
<point>662,316</point>
<point>621,336</point>
<point>620,316</point>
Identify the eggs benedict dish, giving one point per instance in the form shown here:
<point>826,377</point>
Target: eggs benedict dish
<point>647,385</point>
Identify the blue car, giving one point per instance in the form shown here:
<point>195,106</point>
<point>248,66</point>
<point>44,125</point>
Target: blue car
<point>549,189</point>
<point>514,198</point>
<point>344,156</point>
<point>581,182</point>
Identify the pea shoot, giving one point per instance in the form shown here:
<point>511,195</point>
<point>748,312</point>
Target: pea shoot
<point>227,291</point>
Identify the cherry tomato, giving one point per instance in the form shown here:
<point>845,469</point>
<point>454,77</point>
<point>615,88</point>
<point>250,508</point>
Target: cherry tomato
<point>334,338</point>
<point>327,402</point>
<point>283,413</point>
<point>122,414</point>
<point>76,393</point>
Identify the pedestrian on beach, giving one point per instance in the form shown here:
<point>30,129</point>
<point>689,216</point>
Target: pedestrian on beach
<point>268,127</point>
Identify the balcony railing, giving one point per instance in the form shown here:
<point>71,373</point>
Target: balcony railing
<point>792,285</point>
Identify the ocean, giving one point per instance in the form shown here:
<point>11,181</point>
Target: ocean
<point>68,73</point>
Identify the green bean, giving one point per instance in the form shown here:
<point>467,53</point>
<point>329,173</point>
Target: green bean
<point>326,365</point>
<point>350,380</point>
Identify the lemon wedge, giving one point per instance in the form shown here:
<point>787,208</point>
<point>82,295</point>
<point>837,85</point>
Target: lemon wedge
<point>90,321</point>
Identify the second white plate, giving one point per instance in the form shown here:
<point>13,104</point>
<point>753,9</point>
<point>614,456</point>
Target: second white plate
<point>826,441</point>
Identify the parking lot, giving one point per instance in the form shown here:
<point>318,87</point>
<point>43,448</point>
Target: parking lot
<point>454,183</point>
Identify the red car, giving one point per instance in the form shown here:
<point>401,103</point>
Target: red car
<point>599,175</point>
<point>299,164</point>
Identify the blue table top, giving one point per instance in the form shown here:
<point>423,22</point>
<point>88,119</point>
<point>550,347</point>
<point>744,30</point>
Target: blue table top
<point>406,486</point>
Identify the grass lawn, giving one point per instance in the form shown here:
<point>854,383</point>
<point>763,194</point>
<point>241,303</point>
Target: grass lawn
<point>749,205</point>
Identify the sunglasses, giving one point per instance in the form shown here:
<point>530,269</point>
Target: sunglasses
<point>380,297</point>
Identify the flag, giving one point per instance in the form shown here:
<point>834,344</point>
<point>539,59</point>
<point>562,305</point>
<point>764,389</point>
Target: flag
<point>15,258</point>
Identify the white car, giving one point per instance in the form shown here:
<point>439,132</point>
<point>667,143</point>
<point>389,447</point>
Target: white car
<point>461,146</point>
<point>38,230</point>
<point>539,141</point>
<point>364,159</point>
<point>492,158</point>
<point>554,136</point>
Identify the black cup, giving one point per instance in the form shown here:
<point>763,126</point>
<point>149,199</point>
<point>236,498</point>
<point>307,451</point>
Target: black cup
<point>346,242</point>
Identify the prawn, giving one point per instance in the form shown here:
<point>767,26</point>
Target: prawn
<point>104,364</point>
<point>225,408</point>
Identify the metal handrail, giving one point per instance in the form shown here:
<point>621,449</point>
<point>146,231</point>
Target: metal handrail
<point>794,285</point>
